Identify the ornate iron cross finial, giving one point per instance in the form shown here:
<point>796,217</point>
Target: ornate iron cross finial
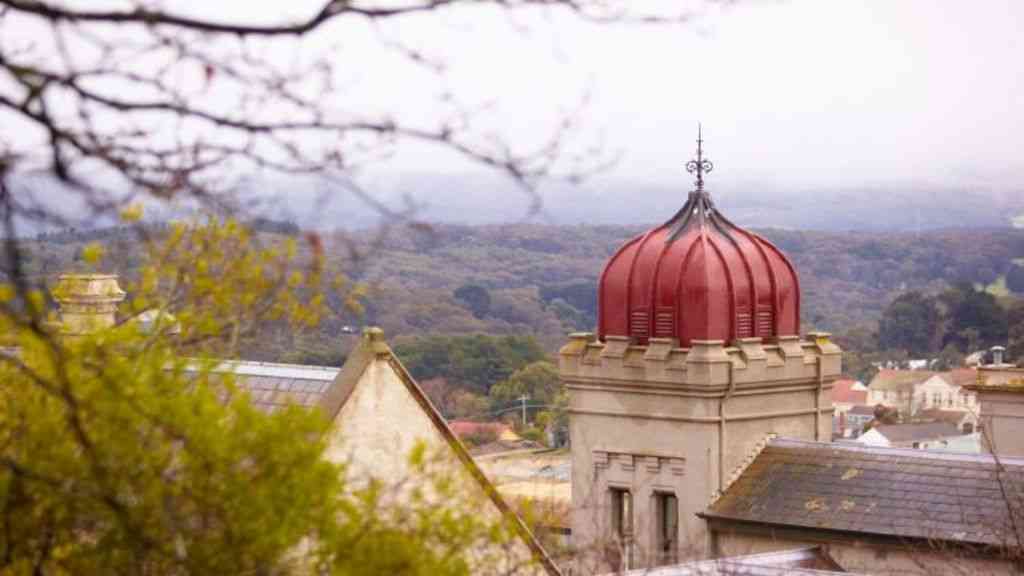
<point>700,165</point>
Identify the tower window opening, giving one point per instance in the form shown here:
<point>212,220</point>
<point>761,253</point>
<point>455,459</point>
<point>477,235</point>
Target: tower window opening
<point>666,507</point>
<point>622,524</point>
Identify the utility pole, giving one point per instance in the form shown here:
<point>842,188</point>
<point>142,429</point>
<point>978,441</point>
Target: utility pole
<point>523,400</point>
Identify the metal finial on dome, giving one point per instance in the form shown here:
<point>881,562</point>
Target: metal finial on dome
<point>700,165</point>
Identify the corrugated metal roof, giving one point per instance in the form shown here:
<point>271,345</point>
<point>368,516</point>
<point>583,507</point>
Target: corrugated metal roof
<point>272,386</point>
<point>288,371</point>
<point>894,492</point>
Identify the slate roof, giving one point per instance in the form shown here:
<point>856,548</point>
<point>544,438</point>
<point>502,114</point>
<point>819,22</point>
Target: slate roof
<point>917,431</point>
<point>801,561</point>
<point>885,492</point>
<point>862,411</point>
<point>272,386</point>
<point>939,415</point>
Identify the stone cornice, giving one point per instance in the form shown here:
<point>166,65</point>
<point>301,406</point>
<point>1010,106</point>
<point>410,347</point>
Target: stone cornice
<point>705,366</point>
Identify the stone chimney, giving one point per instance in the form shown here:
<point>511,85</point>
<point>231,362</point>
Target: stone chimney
<point>997,355</point>
<point>1000,390</point>
<point>88,302</point>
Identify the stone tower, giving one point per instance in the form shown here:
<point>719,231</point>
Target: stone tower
<point>697,359</point>
<point>88,302</point>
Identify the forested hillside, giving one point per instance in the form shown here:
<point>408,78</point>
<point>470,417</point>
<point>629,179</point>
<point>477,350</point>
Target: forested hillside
<point>540,280</point>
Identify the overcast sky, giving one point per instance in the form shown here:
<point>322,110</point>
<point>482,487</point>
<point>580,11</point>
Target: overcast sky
<point>809,91</point>
<point>802,92</point>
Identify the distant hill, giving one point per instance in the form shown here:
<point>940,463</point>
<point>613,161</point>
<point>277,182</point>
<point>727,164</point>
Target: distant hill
<point>485,199</point>
<point>541,279</point>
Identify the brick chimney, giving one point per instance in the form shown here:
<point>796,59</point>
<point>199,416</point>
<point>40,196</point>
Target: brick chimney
<point>88,302</point>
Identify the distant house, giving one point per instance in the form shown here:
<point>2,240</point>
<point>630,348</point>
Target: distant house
<point>921,435</point>
<point>846,395</point>
<point>912,391</point>
<point>855,419</point>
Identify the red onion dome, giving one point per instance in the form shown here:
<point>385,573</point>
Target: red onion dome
<point>698,277</point>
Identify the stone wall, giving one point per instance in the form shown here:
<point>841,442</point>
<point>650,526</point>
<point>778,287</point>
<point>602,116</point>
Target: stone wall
<point>867,557</point>
<point>663,419</point>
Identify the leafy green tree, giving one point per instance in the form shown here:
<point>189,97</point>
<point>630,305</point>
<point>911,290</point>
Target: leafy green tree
<point>581,295</point>
<point>571,318</point>
<point>911,322</point>
<point>949,358</point>
<point>1015,337</point>
<point>538,381</point>
<point>476,297</point>
<point>123,452</point>
<point>474,362</point>
<point>974,318</point>
<point>555,418</point>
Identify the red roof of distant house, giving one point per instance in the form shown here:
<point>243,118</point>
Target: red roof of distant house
<point>842,391</point>
<point>467,428</point>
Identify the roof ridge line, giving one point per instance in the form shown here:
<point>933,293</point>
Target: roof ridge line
<point>240,361</point>
<point>747,461</point>
<point>853,446</point>
<point>279,364</point>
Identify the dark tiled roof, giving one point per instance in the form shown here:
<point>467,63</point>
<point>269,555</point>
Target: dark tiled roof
<point>940,415</point>
<point>802,561</point>
<point>862,410</point>
<point>914,431</point>
<point>887,492</point>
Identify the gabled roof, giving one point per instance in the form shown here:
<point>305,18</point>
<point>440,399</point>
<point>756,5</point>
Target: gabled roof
<point>888,379</point>
<point>890,493</point>
<point>371,348</point>
<point>917,431</point>
<point>845,391</point>
<point>801,561</point>
<point>273,386</point>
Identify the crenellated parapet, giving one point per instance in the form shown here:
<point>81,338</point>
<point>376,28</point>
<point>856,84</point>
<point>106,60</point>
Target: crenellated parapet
<point>706,366</point>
